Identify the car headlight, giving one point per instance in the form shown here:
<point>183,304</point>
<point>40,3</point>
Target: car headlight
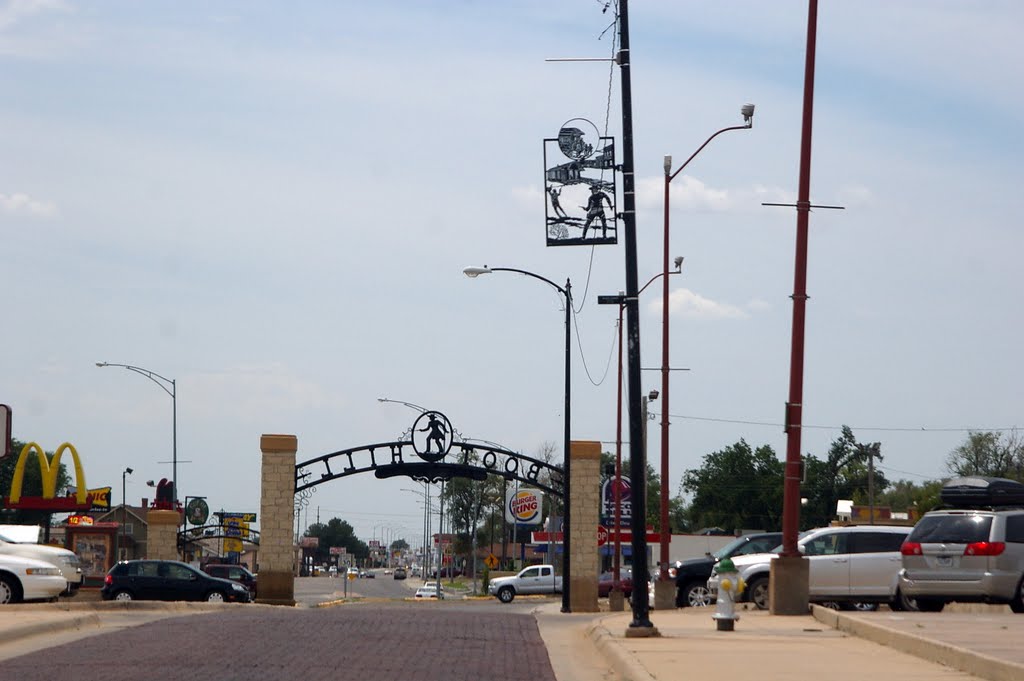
<point>238,587</point>
<point>43,572</point>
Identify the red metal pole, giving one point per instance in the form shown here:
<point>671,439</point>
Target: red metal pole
<point>794,408</point>
<point>617,485</point>
<point>663,530</point>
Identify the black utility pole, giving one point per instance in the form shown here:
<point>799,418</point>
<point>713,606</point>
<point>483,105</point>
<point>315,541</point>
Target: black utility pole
<point>637,458</point>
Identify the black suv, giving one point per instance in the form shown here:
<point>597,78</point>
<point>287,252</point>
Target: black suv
<point>692,575</point>
<point>168,580</point>
<point>236,573</point>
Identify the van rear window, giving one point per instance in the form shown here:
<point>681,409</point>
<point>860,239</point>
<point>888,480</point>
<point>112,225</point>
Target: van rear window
<point>951,529</point>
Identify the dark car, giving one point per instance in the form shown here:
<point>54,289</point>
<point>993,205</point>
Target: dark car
<point>236,573</point>
<point>168,580</point>
<point>399,573</point>
<point>605,582</point>
<point>692,575</point>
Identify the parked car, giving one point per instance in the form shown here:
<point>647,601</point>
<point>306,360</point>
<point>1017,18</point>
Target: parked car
<point>27,579</point>
<point>235,573</point>
<point>968,554</point>
<point>692,575</point>
<point>535,579</point>
<point>64,560</point>
<point>332,571</point>
<point>399,573</point>
<point>847,566</point>
<point>446,573</point>
<point>428,591</point>
<point>168,580</point>
<point>370,574</point>
<point>606,580</point>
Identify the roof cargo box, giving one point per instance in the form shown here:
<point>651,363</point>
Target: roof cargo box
<point>982,491</point>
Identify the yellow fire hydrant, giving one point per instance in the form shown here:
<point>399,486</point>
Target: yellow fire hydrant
<point>730,586</point>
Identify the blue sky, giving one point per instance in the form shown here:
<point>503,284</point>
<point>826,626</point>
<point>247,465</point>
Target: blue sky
<point>274,206</point>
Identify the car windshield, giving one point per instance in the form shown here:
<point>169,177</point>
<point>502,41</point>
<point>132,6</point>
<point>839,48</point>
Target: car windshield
<point>778,549</point>
<point>951,529</point>
<point>729,549</point>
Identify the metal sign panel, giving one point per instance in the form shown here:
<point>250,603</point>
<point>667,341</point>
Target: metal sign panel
<point>579,186</point>
<point>608,502</point>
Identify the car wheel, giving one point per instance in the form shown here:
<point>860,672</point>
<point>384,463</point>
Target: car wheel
<point>1017,604</point>
<point>831,605</point>
<point>696,595</point>
<point>123,596</point>
<point>10,590</point>
<point>928,605</point>
<point>215,597</point>
<point>757,593</point>
<point>506,594</point>
<point>864,607</point>
<point>901,602</point>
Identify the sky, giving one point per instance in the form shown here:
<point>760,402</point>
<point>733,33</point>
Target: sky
<point>273,206</point>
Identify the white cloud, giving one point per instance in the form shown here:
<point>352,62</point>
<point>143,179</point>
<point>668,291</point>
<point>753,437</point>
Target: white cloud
<point>685,303</point>
<point>688,194</point>
<point>23,204</point>
<point>17,10</point>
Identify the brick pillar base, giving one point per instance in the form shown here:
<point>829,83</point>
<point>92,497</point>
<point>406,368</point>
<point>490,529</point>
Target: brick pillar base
<point>277,515</point>
<point>162,534</point>
<point>585,496</point>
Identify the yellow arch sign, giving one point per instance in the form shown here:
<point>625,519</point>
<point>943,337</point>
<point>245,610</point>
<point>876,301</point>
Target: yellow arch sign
<point>48,471</point>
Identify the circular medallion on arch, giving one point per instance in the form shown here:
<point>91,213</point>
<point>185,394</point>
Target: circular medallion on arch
<point>432,436</point>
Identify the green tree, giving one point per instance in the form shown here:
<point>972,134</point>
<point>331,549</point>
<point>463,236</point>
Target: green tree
<point>336,532</point>
<point>999,455</point>
<point>32,485</point>
<point>842,474</point>
<point>736,488</point>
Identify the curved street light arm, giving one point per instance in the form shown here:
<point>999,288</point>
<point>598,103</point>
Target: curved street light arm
<point>161,381</point>
<point>678,270</point>
<point>474,271</point>
<point>407,404</point>
<point>694,155</point>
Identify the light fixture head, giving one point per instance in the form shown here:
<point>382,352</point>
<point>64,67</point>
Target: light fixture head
<point>473,272</point>
<point>128,470</point>
<point>668,163</point>
<point>748,113</point>
<point>101,364</point>
<point>679,262</point>
<point>653,395</point>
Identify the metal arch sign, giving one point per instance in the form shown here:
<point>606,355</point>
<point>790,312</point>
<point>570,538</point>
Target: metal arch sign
<point>423,458</point>
<point>48,471</point>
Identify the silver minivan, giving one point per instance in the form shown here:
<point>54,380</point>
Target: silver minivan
<point>965,555</point>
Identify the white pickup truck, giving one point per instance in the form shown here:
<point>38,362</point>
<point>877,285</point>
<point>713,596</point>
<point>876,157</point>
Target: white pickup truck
<point>536,579</point>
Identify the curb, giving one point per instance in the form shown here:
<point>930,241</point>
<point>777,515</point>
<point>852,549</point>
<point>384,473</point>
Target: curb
<point>978,664</point>
<point>625,665</point>
<point>50,627</point>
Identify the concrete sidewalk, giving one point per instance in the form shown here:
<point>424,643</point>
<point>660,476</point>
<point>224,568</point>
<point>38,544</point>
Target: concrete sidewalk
<point>839,646</point>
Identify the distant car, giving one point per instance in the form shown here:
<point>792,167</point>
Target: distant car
<point>428,591</point>
<point>446,572</point>
<point>692,575</point>
<point>370,574</point>
<point>235,573</point>
<point>399,573</point>
<point>387,571</point>
<point>606,580</point>
<point>168,580</point>
<point>27,579</point>
<point>332,571</point>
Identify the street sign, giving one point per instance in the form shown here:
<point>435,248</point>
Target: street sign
<point>491,561</point>
<point>244,517</point>
<point>602,535</point>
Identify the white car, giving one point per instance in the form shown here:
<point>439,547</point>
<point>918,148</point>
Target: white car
<point>428,591</point>
<point>26,579</point>
<point>65,561</point>
<point>855,566</point>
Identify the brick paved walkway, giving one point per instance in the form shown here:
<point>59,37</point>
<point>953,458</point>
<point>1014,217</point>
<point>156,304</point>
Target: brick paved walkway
<point>411,642</point>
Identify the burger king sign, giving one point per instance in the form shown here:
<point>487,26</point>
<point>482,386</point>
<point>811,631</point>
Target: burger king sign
<point>523,506</point>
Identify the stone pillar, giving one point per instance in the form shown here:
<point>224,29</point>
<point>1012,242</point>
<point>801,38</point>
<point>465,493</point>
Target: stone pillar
<point>277,516</point>
<point>162,534</point>
<point>787,585</point>
<point>585,495</point>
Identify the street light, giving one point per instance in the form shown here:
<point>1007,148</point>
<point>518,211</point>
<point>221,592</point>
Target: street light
<point>747,110</point>
<point>566,291</point>
<point>172,391</point>
<point>124,514</point>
